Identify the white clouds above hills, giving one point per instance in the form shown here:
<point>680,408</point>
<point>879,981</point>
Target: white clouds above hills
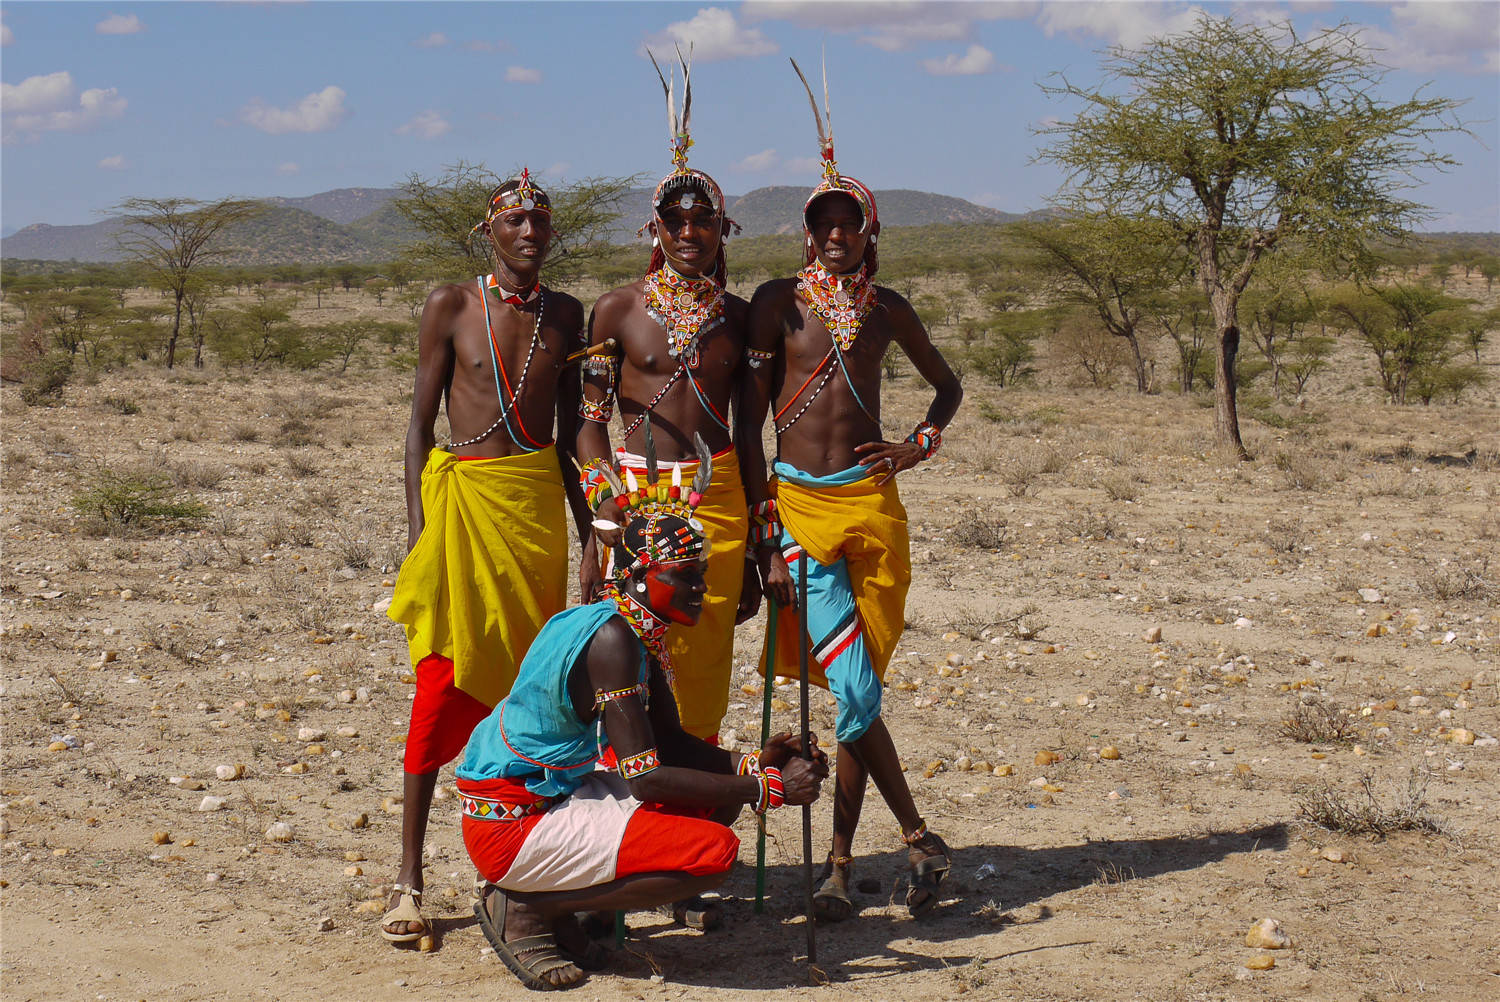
<point>50,103</point>
<point>320,111</point>
<point>1440,36</point>
<point>977,59</point>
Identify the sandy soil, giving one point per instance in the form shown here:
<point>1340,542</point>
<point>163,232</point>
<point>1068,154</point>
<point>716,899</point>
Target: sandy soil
<point>1349,577</point>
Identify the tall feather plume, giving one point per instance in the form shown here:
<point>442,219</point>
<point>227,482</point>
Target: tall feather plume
<point>687,88</point>
<point>705,465</point>
<point>827,109</point>
<point>667,89</point>
<point>817,115</point>
<point>614,480</point>
<point>650,449</point>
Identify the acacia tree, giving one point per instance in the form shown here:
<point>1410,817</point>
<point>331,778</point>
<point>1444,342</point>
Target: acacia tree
<point>175,237</point>
<point>1112,266</point>
<point>1242,137</point>
<point>445,208</point>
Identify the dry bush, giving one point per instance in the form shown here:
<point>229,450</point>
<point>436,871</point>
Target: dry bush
<point>1318,722</point>
<point>1025,624</point>
<point>203,475</point>
<point>1024,465</point>
<point>121,405</point>
<point>283,533</point>
<point>1299,471</point>
<point>1089,525</point>
<point>1284,537</point>
<point>981,532</point>
<point>355,549</point>
<point>294,433</point>
<point>1120,486</point>
<point>1363,813</point>
<point>134,500</point>
<point>1469,578</point>
<point>243,433</point>
<point>301,465</point>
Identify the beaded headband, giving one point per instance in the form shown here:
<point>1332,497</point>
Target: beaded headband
<point>833,182</point>
<point>517,193</point>
<point>659,524</point>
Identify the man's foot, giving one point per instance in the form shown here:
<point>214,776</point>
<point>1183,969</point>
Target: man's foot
<point>832,903</point>
<point>930,859</point>
<point>575,943</point>
<point>524,942</point>
<point>695,913</point>
<point>403,922</point>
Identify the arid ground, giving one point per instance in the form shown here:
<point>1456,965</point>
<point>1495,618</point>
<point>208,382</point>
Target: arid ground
<point>1136,677</point>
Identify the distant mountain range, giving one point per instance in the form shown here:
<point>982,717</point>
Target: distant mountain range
<point>361,224</point>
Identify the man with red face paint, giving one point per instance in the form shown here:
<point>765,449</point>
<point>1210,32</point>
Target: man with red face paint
<point>487,523</point>
<point>837,518</point>
<point>678,358</point>
<point>551,832</point>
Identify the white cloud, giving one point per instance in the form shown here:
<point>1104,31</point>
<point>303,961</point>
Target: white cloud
<point>480,45</point>
<point>714,34</point>
<point>436,40</point>
<point>120,24</point>
<point>6,35</point>
<point>289,168</point>
<point>317,112</point>
<point>1439,36</point>
<point>977,60</point>
<point>758,162</point>
<point>47,104</point>
<point>428,125</point>
<point>1127,24</point>
<point>522,74</point>
<point>805,165</point>
<point>116,162</point>
<point>893,27</point>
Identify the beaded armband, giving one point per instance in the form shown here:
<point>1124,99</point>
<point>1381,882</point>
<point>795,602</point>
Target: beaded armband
<point>765,527</point>
<point>638,765</point>
<point>596,486</point>
<point>928,436</point>
<point>749,765</point>
<point>607,366</point>
<point>772,791</point>
<point>603,696</point>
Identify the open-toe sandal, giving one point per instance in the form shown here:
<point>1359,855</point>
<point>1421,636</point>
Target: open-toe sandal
<point>927,876</point>
<point>530,958</point>
<point>831,902</point>
<point>408,910</point>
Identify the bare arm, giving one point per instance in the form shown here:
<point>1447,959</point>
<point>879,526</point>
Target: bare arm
<point>434,377</point>
<point>612,662</point>
<point>766,333</point>
<point>598,388</point>
<point>908,332</point>
<point>568,391</point>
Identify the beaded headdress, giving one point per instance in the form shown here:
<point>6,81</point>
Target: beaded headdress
<point>833,182</point>
<point>683,186</point>
<point>517,193</point>
<point>659,527</point>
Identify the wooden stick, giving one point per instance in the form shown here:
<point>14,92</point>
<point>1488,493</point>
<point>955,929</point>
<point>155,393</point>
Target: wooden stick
<point>765,735</point>
<point>807,872</point>
<point>606,348</point>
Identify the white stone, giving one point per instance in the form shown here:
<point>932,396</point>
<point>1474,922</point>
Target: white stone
<point>1369,595</point>
<point>211,803</point>
<point>280,831</point>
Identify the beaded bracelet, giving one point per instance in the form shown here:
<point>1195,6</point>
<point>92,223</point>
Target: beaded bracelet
<point>765,527</point>
<point>928,436</point>
<point>774,786</point>
<point>596,486</point>
<point>749,765</point>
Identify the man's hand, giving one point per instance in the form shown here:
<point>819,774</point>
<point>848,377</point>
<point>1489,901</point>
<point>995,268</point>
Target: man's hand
<point>777,576</point>
<point>802,780</point>
<point>886,459</point>
<point>785,746</point>
<point>609,511</point>
<point>590,580</point>
<point>749,594</point>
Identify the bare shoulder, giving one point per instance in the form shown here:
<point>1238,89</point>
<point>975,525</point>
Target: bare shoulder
<point>777,291</point>
<point>737,308</point>
<point>891,299</point>
<point>565,309</point>
<point>613,650</point>
<point>453,296</point>
<point>619,299</point>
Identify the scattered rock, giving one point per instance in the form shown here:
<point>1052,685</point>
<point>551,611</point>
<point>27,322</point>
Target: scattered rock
<point>1047,757</point>
<point>211,803</point>
<point>1004,770</point>
<point>1152,636</point>
<point>426,944</point>
<point>1334,855</point>
<point>1369,595</point>
<point>1260,962</point>
<point>325,924</point>
<point>306,734</point>
<point>280,831</point>
<point>229,772</point>
<point>1243,623</point>
<point>1267,935</point>
<point>1109,752</point>
<point>1461,736</point>
<point>161,838</point>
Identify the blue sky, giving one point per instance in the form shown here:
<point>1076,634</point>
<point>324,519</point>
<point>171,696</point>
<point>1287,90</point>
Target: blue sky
<point>106,101</point>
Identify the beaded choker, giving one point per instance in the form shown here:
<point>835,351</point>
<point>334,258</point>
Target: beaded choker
<point>841,302</point>
<point>516,299</point>
<point>686,308</point>
<point>645,624</point>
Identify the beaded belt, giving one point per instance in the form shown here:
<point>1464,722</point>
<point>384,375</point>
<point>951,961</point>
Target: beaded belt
<point>482,809</point>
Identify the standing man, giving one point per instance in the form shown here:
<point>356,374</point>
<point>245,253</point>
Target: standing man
<point>681,357</point>
<point>553,834</point>
<point>486,516</point>
<point>837,517</point>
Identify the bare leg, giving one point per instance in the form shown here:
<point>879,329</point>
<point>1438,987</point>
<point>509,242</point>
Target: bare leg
<point>877,752</point>
<point>417,790</point>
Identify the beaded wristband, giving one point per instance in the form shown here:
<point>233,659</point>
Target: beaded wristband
<point>596,486</point>
<point>928,436</point>
<point>774,787</point>
<point>638,765</point>
<point>765,527</point>
<point>763,798</point>
<point>749,765</point>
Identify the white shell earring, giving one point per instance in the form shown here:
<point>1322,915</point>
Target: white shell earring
<point>640,586</point>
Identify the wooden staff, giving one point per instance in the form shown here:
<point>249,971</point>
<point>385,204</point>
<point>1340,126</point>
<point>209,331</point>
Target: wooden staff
<point>807,873</point>
<point>606,348</point>
<point>765,735</point>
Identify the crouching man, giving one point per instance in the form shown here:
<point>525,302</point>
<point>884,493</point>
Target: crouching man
<point>551,832</point>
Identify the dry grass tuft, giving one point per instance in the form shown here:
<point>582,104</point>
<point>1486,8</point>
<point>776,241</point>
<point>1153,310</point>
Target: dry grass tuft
<point>981,532</point>
<point>1363,813</point>
<point>1319,722</point>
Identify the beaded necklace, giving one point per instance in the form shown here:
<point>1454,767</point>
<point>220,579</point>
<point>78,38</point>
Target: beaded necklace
<point>647,625</point>
<point>686,308</point>
<point>508,397</point>
<point>841,302</point>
